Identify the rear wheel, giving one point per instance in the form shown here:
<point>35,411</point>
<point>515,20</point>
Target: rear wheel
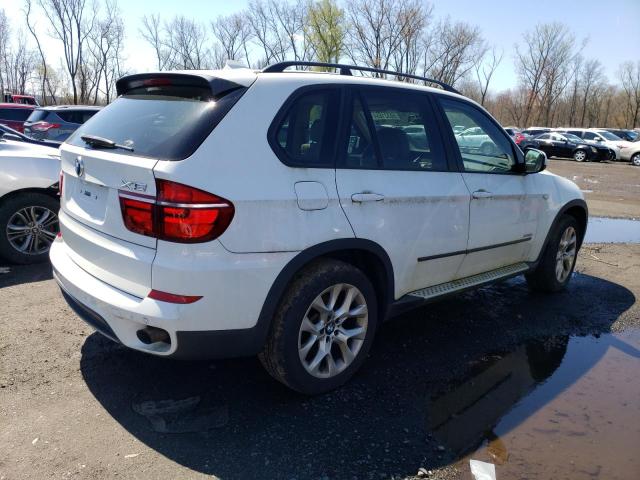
<point>579,155</point>
<point>558,260</point>
<point>635,159</point>
<point>28,227</point>
<point>323,328</point>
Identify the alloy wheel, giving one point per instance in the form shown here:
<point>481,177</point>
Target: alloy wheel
<point>579,156</point>
<point>635,160</point>
<point>333,330</point>
<point>32,230</point>
<point>566,255</point>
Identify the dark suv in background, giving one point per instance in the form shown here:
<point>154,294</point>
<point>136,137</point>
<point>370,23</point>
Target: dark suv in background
<point>57,123</point>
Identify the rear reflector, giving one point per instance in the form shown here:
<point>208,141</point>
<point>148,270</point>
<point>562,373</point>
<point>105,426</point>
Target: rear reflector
<point>178,213</point>
<point>171,298</point>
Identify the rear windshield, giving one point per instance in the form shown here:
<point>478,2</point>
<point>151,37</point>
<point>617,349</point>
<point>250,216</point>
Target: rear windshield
<point>38,115</point>
<point>17,114</point>
<point>168,124</point>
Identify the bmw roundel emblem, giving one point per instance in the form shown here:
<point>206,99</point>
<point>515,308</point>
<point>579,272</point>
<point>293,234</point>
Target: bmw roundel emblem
<point>79,166</point>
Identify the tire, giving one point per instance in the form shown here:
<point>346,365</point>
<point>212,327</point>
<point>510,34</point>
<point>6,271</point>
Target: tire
<point>28,226</point>
<point>580,156</point>
<point>635,159</point>
<point>488,149</point>
<point>564,240</point>
<point>291,352</point>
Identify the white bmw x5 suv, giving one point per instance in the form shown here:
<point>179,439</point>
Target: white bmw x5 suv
<point>288,213</point>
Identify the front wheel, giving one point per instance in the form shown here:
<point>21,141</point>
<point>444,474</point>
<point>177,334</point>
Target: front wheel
<point>635,159</point>
<point>558,260</point>
<point>323,328</point>
<point>28,227</point>
<point>579,155</point>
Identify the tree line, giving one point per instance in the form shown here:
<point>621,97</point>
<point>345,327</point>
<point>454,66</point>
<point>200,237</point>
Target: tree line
<point>557,84</point>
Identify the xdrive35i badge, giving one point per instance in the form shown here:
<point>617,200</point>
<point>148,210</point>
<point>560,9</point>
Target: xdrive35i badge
<point>134,186</point>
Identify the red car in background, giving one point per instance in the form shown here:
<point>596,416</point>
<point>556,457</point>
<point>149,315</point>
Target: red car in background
<point>14,115</point>
<point>516,134</point>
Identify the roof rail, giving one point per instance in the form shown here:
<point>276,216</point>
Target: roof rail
<point>346,70</point>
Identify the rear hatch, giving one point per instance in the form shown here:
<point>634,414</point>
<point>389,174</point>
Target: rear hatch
<point>156,117</point>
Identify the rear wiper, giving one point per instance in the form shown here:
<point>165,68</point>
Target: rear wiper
<point>100,142</point>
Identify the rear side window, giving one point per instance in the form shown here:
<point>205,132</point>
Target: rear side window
<point>38,115</point>
<point>165,122</point>
<point>589,136</point>
<point>393,130</point>
<point>305,136</point>
<point>16,114</point>
<point>70,116</point>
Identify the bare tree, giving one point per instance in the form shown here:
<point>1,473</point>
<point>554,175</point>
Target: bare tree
<point>542,65</point>
<point>106,48</point>
<point>630,79</point>
<point>485,71</point>
<point>233,33</point>
<point>43,71</point>
<point>71,22</point>
<point>413,16</point>
<point>151,32</point>
<point>452,51</point>
<point>187,39</point>
<point>592,79</point>
<point>277,28</point>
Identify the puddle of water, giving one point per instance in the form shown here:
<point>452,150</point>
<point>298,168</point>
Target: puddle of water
<point>575,414</point>
<point>612,230</point>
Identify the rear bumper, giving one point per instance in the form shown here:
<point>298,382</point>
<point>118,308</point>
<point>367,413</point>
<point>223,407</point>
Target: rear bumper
<point>204,329</point>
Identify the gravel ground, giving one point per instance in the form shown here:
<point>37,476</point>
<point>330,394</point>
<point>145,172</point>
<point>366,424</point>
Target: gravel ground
<point>612,189</point>
<point>73,404</point>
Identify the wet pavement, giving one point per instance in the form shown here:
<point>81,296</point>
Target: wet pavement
<point>432,392</point>
<point>612,230</point>
<point>575,413</point>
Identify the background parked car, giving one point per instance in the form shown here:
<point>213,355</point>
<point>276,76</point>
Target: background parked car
<point>57,123</point>
<point>474,139</point>
<point>631,152</point>
<point>565,145</point>
<point>28,200</point>
<point>628,135</point>
<point>9,133</point>
<point>602,137</point>
<point>14,115</point>
<point>516,134</point>
<point>534,131</point>
<point>9,97</point>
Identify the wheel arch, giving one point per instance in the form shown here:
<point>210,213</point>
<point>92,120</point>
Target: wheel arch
<point>577,209</point>
<point>51,191</point>
<point>366,255</point>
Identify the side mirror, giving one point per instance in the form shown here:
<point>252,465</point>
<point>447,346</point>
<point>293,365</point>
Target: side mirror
<point>535,160</point>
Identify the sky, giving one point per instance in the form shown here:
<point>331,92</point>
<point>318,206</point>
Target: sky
<point>611,27</point>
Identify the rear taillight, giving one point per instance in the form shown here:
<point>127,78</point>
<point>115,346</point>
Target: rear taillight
<point>178,213</point>
<point>44,126</point>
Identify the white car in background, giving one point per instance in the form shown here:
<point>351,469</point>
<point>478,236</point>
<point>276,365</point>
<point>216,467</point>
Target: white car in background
<point>631,152</point>
<point>29,176</point>
<point>475,139</point>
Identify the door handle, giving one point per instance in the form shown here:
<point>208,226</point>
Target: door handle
<point>478,194</point>
<point>366,197</point>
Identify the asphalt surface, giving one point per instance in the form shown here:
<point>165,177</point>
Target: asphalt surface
<point>74,404</point>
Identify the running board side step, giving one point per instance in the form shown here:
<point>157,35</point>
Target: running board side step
<point>473,281</point>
